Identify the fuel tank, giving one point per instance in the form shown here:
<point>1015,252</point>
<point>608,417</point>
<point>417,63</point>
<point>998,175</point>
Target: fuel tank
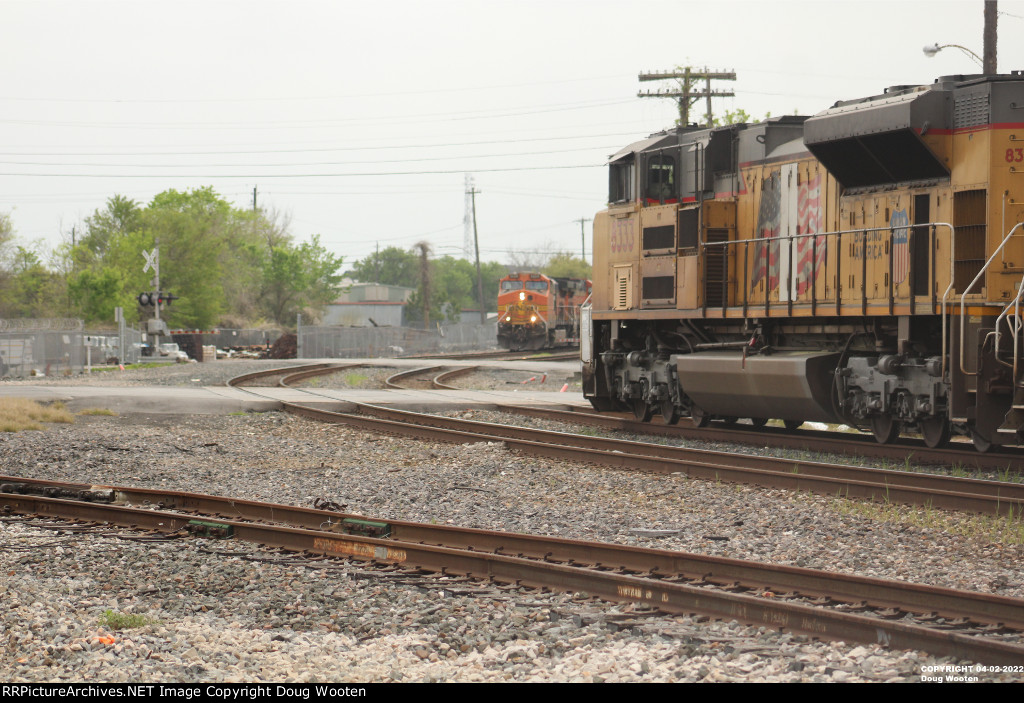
<point>784,385</point>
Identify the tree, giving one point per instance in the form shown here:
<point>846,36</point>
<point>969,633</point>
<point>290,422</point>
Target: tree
<point>737,116</point>
<point>29,289</point>
<point>299,278</point>
<point>120,217</point>
<point>565,265</point>
<point>95,294</point>
<point>391,266</point>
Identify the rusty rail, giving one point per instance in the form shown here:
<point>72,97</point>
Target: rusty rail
<point>656,587</point>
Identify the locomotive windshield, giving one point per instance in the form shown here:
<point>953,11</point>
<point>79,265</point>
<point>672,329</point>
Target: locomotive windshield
<point>511,285</point>
<point>661,180</point>
<point>537,285</point>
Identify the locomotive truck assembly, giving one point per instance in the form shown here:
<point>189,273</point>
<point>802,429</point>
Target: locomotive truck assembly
<point>861,266</point>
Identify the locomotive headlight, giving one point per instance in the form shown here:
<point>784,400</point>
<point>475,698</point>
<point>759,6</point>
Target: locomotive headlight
<point>533,318</point>
<point>522,295</point>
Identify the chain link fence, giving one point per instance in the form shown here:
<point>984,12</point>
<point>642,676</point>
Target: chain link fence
<point>37,347</point>
<point>371,342</point>
<point>31,347</point>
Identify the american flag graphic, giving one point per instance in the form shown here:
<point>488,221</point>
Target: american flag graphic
<point>766,257</point>
<point>810,251</point>
<point>899,223</point>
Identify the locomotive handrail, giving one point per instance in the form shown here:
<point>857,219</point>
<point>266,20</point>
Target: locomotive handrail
<point>1014,326</point>
<point>963,296</point>
<point>586,338</point>
<point>838,234</point>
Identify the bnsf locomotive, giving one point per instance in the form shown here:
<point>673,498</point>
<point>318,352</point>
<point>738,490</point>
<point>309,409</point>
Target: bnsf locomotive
<point>863,266</point>
<point>537,312</point>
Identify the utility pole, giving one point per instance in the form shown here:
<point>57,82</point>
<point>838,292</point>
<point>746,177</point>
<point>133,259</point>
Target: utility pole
<point>479,277</point>
<point>583,238</point>
<point>254,199</point>
<point>687,94</point>
<point>467,223</point>
<point>989,50</point>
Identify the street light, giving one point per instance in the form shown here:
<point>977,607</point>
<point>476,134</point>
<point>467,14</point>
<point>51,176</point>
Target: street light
<point>930,51</point>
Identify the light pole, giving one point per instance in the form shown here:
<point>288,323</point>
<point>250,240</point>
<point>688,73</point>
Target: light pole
<point>933,49</point>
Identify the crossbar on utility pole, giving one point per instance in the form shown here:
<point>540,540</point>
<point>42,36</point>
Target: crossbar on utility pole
<point>686,95</point>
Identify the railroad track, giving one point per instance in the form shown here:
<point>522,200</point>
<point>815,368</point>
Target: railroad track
<point>886,485</point>
<point>1007,459</point>
<point>504,355</point>
<point>977,627</point>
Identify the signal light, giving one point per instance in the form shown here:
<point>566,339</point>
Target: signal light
<point>160,298</point>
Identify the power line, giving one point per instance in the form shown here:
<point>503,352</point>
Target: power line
<point>375,120</point>
<point>297,175</point>
<point>310,163</point>
<point>324,149</point>
<point>349,96</point>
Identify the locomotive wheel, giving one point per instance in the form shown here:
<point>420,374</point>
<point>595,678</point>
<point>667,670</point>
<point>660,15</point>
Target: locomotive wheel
<point>642,410</point>
<point>792,424</point>
<point>885,428</point>
<point>758,421</point>
<point>980,443</point>
<point>935,431</point>
<point>670,412</point>
<point>699,416</point>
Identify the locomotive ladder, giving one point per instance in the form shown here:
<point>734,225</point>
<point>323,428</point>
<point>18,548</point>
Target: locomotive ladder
<point>1011,316</point>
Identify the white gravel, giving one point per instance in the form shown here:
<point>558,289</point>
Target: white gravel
<point>216,617</point>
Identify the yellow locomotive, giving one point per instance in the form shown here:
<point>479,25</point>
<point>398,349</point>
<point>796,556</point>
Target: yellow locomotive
<point>864,265</point>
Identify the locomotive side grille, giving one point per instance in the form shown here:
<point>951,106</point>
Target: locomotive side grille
<point>969,223</point>
<point>716,273</point>
<point>623,299</point>
<point>970,111</point>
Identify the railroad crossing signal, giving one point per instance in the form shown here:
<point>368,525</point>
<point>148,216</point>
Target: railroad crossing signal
<point>152,260</point>
<point>159,298</point>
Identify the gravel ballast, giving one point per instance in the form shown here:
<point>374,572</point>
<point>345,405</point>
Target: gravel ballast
<point>216,611</point>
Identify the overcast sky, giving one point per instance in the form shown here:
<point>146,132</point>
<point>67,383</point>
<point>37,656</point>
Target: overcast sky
<point>359,121</point>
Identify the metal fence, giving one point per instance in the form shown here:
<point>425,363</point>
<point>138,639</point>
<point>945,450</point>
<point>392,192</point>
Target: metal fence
<point>105,347</point>
<point>31,347</point>
<point>36,347</point>
<point>370,342</point>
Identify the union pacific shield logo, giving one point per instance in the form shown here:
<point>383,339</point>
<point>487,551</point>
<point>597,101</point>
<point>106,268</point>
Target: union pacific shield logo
<point>899,224</point>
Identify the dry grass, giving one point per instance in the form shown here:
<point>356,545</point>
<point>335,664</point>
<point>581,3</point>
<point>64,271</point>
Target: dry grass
<point>17,414</point>
<point>1003,529</point>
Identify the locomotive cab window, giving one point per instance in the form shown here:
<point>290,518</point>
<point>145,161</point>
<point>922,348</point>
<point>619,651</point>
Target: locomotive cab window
<point>540,286</point>
<point>620,181</point>
<point>511,285</point>
<point>660,183</point>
